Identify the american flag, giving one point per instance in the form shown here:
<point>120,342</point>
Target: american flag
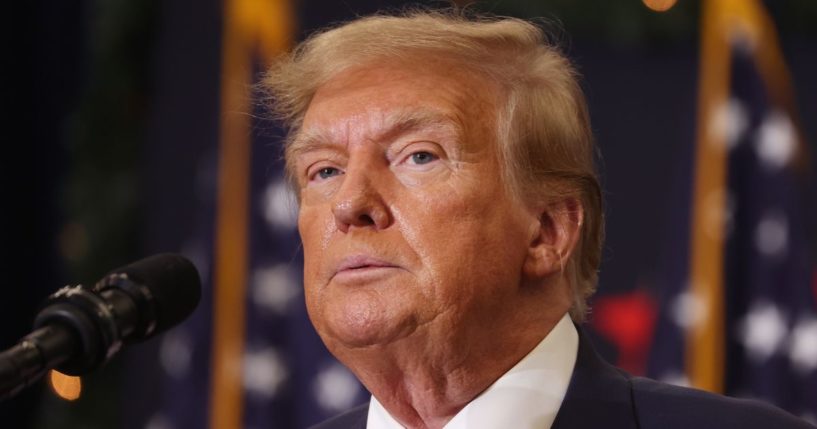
<point>744,323</point>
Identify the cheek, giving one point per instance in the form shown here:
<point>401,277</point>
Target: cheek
<point>315,231</point>
<point>467,239</point>
<point>315,226</point>
<point>447,229</point>
<point>452,217</point>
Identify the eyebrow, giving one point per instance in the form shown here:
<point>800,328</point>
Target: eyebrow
<point>395,125</point>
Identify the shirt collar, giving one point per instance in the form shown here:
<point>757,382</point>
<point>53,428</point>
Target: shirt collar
<point>528,396</point>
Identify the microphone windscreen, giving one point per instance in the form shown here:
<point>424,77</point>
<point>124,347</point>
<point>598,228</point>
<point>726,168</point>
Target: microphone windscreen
<point>174,283</point>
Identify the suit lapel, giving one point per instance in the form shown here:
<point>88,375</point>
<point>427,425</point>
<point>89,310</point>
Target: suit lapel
<point>599,395</point>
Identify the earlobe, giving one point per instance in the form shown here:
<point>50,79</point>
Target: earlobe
<point>553,237</point>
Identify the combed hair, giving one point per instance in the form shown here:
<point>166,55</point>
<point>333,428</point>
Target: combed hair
<point>543,128</point>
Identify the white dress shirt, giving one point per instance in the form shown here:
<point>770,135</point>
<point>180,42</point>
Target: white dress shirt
<point>528,396</point>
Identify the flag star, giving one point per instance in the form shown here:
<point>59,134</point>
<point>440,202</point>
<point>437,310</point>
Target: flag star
<point>776,139</point>
<point>763,331</point>
<point>772,234</point>
<point>176,353</point>
<point>335,388</point>
<point>279,206</point>
<point>687,310</point>
<point>730,122</point>
<point>803,346</point>
<point>274,287</point>
<point>264,372</point>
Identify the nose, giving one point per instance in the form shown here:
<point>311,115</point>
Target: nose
<point>358,204</point>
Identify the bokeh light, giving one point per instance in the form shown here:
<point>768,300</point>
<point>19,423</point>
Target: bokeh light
<point>65,386</point>
<point>660,5</point>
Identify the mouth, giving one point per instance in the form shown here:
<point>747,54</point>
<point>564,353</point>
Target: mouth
<point>359,262</point>
<point>360,267</point>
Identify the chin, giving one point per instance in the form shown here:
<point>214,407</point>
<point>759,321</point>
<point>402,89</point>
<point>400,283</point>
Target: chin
<point>361,324</point>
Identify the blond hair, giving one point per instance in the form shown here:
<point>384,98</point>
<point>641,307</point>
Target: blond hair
<point>543,127</point>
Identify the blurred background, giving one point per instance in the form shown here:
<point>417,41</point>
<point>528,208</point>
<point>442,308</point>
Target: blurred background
<point>138,133</point>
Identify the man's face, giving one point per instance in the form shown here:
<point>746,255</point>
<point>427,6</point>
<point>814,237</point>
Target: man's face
<point>406,225</point>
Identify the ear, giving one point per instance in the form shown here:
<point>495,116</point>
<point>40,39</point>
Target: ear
<point>554,237</point>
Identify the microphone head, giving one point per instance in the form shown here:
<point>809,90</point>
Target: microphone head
<point>130,304</point>
<point>172,283</point>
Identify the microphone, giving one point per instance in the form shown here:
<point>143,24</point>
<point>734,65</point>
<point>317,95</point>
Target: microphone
<point>81,328</point>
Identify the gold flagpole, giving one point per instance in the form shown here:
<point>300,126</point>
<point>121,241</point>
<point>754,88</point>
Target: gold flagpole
<point>252,28</point>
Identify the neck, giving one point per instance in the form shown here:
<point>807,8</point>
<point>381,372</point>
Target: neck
<point>424,384</point>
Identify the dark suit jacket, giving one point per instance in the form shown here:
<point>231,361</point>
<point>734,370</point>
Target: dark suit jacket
<point>601,396</point>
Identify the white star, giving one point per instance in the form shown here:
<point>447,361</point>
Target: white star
<point>274,287</point>
<point>336,388</point>
<point>776,141</point>
<point>772,234</point>
<point>687,309</point>
<point>279,206</point>
<point>763,331</point>
<point>176,352</point>
<point>803,345</point>
<point>264,372</point>
<point>730,122</point>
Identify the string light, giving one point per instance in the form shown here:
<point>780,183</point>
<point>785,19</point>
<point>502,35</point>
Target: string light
<point>65,386</point>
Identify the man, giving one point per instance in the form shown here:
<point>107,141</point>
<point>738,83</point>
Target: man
<point>452,229</point>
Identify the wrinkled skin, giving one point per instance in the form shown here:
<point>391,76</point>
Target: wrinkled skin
<point>422,273</point>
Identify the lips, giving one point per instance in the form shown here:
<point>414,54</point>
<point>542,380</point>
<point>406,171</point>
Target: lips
<point>361,269</point>
<point>359,262</point>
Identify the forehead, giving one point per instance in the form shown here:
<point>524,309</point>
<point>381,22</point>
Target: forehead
<point>362,102</point>
<point>380,126</point>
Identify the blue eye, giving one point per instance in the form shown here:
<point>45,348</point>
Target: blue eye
<point>421,158</point>
<point>327,172</point>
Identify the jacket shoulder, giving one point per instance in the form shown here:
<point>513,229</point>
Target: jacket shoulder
<point>352,419</point>
<point>663,406</point>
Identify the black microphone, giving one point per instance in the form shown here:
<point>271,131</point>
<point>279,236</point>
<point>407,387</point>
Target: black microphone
<point>80,328</point>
